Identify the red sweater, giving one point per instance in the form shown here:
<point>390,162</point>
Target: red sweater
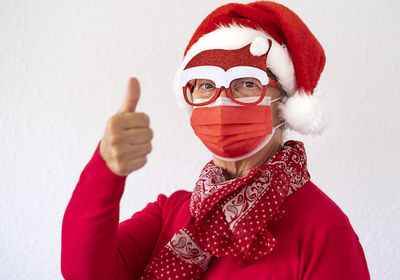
<point>315,238</point>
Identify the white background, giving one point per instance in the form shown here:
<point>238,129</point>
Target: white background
<point>64,67</point>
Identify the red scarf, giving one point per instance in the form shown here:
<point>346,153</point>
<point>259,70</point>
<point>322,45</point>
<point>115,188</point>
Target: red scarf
<point>231,217</point>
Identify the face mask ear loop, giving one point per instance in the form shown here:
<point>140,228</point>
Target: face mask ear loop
<point>276,99</point>
<point>279,125</point>
<point>282,123</point>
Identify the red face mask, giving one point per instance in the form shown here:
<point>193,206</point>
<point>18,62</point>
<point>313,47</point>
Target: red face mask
<point>233,132</point>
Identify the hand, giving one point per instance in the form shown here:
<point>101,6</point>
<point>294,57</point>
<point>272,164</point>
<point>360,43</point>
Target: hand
<point>127,138</point>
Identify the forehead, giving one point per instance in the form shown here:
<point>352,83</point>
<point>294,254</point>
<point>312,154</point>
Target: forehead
<point>227,59</point>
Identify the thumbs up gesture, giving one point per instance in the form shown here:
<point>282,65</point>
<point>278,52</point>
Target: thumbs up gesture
<point>127,138</point>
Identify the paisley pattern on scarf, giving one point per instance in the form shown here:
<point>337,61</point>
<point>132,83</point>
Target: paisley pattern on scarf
<point>231,217</point>
<point>186,249</point>
<point>241,203</point>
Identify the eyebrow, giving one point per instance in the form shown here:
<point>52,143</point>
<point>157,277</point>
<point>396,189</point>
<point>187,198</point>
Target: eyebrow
<point>271,75</point>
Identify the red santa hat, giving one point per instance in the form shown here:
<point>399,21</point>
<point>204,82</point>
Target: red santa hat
<point>296,57</point>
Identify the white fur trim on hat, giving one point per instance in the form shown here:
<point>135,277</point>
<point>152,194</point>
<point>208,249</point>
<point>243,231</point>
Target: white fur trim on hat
<point>302,112</point>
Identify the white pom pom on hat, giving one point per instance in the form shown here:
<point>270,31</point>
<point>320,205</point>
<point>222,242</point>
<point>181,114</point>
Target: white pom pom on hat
<point>303,113</point>
<point>296,57</point>
<point>259,46</point>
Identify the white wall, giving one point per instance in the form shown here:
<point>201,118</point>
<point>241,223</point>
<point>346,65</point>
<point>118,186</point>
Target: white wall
<point>64,67</point>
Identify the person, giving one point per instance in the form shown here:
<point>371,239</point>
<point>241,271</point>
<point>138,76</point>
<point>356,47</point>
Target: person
<point>248,74</point>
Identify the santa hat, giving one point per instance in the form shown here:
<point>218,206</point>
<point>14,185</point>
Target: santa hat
<point>296,57</point>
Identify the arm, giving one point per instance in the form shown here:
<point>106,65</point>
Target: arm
<point>335,255</point>
<point>94,246</point>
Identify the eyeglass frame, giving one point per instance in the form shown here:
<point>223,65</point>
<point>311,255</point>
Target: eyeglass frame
<point>223,79</point>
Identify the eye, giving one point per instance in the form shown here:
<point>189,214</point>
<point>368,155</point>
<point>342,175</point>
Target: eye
<point>206,86</point>
<point>249,84</point>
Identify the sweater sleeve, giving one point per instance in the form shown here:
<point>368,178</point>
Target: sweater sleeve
<point>93,243</point>
<point>335,255</point>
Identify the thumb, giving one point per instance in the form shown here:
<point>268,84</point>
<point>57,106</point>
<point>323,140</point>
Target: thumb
<point>132,95</point>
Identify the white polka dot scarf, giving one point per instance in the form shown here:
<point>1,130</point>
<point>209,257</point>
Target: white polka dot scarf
<point>231,217</point>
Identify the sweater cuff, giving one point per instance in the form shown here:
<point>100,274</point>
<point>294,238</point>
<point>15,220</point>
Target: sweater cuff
<point>97,174</point>
<point>101,164</point>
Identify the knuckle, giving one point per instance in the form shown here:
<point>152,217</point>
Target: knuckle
<point>142,161</point>
<point>112,124</point>
<point>149,148</point>
<point>151,133</point>
<point>146,118</point>
<point>143,118</point>
<point>137,164</point>
<point>145,149</point>
<point>141,135</point>
<point>146,135</point>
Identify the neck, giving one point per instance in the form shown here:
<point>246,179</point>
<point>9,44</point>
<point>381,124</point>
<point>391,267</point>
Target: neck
<point>240,168</point>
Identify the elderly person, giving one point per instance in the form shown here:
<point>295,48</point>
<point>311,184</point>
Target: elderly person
<point>248,73</point>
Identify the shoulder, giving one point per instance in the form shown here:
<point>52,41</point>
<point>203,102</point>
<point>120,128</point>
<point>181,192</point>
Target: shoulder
<point>175,197</point>
<point>311,208</point>
<point>328,246</point>
<point>175,211</point>
<point>175,201</point>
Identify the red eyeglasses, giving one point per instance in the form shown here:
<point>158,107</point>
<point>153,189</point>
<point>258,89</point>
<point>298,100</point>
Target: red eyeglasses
<point>244,91</point>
